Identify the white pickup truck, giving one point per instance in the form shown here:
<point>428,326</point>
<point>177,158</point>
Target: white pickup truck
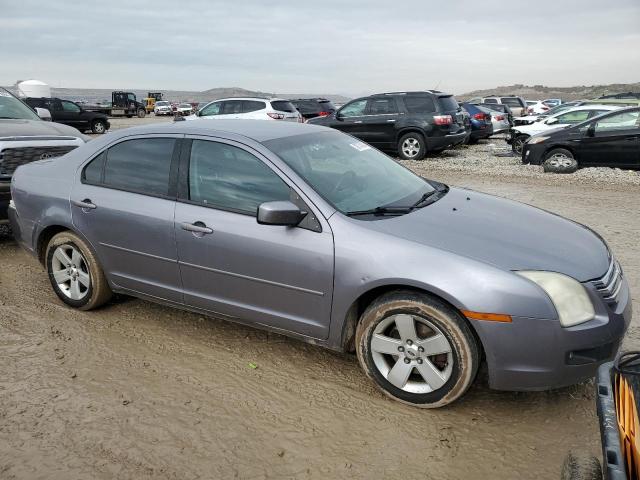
<point>25,137</point>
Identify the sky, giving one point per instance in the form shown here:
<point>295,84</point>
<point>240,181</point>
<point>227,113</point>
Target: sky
<point>346,47</point>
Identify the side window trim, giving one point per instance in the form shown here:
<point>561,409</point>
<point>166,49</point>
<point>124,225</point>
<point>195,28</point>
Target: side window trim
<point>173,167</point>
<point>310,222</point>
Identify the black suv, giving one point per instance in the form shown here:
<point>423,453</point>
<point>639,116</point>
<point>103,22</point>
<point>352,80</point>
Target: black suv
<point>314,107</point>
<point>409,123</point>
<point>72,114</point>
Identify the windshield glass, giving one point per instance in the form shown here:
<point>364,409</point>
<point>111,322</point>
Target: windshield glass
<point>348,173</point>
<point>162,104</point>
<point>11,107</point>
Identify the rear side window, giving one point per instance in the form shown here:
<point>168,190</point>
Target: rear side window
<point>230,178</point>
<point>512,101</point>
<point>419,104</point>
<point>252,106</point>
<point>382,106</point>
<point>447,104</point>
<point>283,106</point>
<point>140,165</point>
<point>232,107</point>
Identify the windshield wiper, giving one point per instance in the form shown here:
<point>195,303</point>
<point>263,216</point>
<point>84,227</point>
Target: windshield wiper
<point>381,211</point>
<point>424,198</point>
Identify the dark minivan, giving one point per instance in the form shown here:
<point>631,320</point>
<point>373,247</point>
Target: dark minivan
<point>409,123</point>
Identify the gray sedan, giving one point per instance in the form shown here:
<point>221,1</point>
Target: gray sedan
<point>309,232</point>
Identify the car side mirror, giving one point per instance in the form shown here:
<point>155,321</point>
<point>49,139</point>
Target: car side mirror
<point>44,114</point>
<point>281,212</point>
<point>551,121</point>
<point>591,130</point>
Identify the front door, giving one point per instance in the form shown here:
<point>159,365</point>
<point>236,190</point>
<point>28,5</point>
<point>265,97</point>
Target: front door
<point>124,205</point>
<point>350,118</point>
<point>380,122</point>
<point>231,265</point>
<point>615,142</point>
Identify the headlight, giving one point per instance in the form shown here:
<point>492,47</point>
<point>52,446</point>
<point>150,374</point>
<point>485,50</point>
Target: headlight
<point>568,295</point>
<point>534,140</point>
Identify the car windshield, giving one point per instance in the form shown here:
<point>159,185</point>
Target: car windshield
<point>348,173</point>
<point>162,104</point>
<point>11,107</point>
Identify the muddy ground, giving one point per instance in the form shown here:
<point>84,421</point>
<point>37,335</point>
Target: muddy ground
<point>140,391</point>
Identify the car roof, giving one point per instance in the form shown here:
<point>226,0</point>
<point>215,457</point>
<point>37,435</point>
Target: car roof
<point>261,99</point>
<point>258,130</point>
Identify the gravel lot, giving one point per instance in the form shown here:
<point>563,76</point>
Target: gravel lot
<point>136,390</point>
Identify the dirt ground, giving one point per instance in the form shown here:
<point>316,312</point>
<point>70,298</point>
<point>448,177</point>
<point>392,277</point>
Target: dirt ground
<point>140,391</point>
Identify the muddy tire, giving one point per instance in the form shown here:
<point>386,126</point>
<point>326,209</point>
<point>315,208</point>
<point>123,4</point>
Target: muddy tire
<point>518,143</point>
<point>75,273</point>
<point>412,146</point>
<point>559,160</point>
<point>417,349</point>
<point>580,466</point>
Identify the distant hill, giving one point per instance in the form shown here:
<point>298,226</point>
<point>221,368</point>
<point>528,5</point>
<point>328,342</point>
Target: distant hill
<point>99,94</point>
<point>540,92</point>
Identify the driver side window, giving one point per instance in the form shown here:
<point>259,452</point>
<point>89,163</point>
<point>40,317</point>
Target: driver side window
<point>212,109</point>
<point>354,109</point>
<point>70,107</point>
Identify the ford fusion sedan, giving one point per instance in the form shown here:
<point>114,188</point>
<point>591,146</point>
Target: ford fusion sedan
<point>311,233</point>
<point>609,140</point>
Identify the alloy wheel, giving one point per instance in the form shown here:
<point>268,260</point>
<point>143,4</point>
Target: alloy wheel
<point>412,353</point>
<point>411,147</point>
<point>560,160</point>
<point>70,272</point>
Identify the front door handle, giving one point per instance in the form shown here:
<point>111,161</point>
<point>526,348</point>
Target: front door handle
<point>197,227</point>
<point>391,121</point>
<point>86,203</point>
<point>357,121</point>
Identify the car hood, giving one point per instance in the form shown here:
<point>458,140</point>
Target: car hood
<point>504,233</point>
<point>36,128</point>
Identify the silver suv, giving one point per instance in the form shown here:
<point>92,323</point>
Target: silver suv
<point>517,105</point>
<point>25,137</point>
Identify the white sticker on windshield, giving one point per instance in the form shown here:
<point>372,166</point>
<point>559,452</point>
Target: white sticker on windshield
<point>361,147</point>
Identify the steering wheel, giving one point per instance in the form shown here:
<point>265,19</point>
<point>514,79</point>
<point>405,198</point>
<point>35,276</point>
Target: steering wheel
<point>346,176</point>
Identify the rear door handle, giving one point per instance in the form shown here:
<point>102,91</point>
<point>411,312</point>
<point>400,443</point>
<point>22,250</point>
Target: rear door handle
<point>391,121</point>
<point>357,121</point>
<point>197,227</point>
<point>86,203</point>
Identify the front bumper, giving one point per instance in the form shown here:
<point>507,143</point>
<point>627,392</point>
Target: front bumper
<point>533,153</point>
<point>536,354</point>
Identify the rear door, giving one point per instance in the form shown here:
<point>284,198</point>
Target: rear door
<point>615,142</point>
<point>232,109</point>
<point>271,275</point>
<point>379,123</point>
<point>124,203</point>
<point>349,118</point>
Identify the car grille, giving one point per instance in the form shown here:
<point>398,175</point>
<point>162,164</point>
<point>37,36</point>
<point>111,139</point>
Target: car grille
<point>12,158</point>
<point>610,284</point>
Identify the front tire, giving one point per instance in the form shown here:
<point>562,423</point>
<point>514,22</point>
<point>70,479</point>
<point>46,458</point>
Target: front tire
<point>560,160</point>
<point>141,113</point>
<point>412,146</point>
<point>74,272</point>
<point>417,349</point>
<point>98,126</point>
<point>518,143</point>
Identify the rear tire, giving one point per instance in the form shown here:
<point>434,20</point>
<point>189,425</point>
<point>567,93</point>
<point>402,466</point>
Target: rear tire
<point>98,127</point>
<point>518,143</point>
<point>74,272</point>
<point>412,146</point>
<point>560,160</point>
<point>417,349</point>
<point>580,466</point>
